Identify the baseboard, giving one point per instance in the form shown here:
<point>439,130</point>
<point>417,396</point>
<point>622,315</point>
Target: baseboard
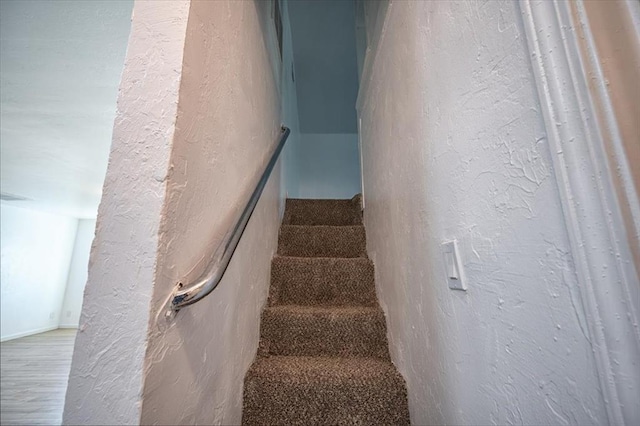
<point>28,333</point>
<point>68,326</point>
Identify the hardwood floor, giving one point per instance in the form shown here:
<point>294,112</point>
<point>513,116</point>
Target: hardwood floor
<point>33,377</point>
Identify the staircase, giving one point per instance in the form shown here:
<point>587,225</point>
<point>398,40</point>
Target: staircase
<point>323,356</point>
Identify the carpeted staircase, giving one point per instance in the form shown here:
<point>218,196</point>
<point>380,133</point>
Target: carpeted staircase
<point>323,357</point>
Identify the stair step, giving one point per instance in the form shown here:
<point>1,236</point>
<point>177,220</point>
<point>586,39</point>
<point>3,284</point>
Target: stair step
<point>322,281</point>
<point>352,331</point>
<point>323,356</point>
<point>323,212</point>
<point>322,391</point>
<point>322,241</point>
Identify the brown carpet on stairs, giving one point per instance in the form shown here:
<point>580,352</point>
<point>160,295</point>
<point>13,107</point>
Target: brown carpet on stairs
<point>323,357</point>
<point>326,281</point>
<point>322,241</point>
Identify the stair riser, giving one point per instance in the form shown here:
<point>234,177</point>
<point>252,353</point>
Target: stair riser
<point>340,334</point>
<point>322,241</point>
<point>322,212</point>
<point>322,282</point>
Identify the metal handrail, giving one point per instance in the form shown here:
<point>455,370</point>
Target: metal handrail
<point>210,278</point>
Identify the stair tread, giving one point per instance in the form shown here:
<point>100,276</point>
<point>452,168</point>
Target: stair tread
<point>322,281</point>
<point>322,241</point>
<point>321,259</point>
<point>305,369</point>
<point>320,227</point>
<point>347,331</point>
<point>323,390</point>
<point>342,310</point>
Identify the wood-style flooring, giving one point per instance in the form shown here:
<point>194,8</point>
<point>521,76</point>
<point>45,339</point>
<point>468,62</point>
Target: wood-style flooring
<point>33,377</point>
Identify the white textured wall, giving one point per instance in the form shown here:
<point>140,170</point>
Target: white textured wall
<point>227,126</point>
<point>329,166</point>
<point>35,250</point>
<point>454,147</point>
<point>72,304</point>
<point>615,28</point>
<point>106,380</point>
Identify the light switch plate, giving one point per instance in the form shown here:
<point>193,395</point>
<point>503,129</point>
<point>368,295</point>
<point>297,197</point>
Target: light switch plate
<point>453,266</point>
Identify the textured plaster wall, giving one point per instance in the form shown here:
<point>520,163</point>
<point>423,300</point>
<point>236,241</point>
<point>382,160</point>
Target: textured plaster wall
<point>198,115</point>
<point>74,292</point>
<point>106,380</point>
<point>454,147</point>
<point>615,28</point>
<point>227,126</point>
<point>35,254</point>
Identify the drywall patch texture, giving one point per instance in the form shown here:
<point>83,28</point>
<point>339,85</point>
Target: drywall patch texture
<point>454,147</point>
<point>106,380</point>
<point>35,254</point>
<point>227,127</point>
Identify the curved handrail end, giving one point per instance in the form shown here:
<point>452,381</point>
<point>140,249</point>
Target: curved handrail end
<point>209,280</point>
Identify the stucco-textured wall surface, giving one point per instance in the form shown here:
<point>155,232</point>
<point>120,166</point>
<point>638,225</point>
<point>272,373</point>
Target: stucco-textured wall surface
<point>615,28</point>
<point>36,249</point>
<point>454,147</point>
<point>106,380</point>
<point>72,305</point>
<point>227,127</point>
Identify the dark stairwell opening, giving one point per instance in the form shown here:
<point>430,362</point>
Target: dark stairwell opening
<point>323,159</point>
<point>323,355</point>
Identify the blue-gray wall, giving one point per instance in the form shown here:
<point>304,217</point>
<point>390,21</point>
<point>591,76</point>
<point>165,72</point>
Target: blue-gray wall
<point>325,161</point>
<point>324,48</point>
<point>329,166</point>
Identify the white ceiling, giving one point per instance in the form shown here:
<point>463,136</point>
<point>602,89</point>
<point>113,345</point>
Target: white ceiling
<point>60,66</point>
